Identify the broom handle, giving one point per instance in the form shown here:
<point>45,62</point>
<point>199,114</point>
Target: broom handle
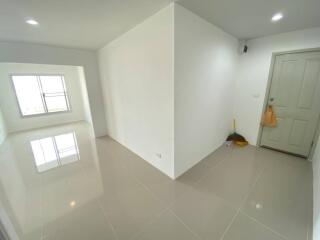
<point>234,125</point>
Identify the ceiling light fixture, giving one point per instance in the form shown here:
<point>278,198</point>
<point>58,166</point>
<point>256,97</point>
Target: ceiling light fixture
<point>32,22</point>
<point>72,204</point>
<point>276,17</point>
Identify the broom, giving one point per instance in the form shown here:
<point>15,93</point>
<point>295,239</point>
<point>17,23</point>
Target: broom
<point>237,138</point>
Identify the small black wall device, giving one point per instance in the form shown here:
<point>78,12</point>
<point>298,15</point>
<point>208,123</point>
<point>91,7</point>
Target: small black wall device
<point>245,48</point>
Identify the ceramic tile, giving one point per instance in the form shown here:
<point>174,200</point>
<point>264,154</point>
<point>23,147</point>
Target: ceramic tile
<point>128,205</point>
<point>111,193</point>
<point>281,200</point>
<point>81,222</point>
<point>193,175</point>
<point>168,227</point>
<point>233,178</point>
<point>162,186</point>
<point>206,214</point>
<point>245,228</point>
<point>222,153</point>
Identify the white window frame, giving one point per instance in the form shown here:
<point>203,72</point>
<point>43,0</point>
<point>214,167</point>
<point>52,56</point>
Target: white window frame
<point>42,94</point>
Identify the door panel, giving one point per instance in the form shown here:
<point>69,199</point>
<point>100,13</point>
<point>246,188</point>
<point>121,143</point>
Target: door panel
<point>281,89</point>
<point>275,133</point>
<point>295,96</point>
<point>297,132</point>
<point>310,80</point>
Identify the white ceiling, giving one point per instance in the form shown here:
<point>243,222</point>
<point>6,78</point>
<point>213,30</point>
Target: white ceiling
<point>246,19</point>
<point>73,23</point>
<point>93,23</point>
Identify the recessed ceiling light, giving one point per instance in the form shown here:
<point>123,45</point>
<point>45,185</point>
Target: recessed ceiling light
<point>276,17</point>
<point>72,204</point>
<point>259,206</point>
<point>32,22</point>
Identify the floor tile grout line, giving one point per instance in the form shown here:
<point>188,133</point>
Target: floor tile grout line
<point>214,166</point>
<point>155,196</point>
<point>221,199</point>
<point>184,224</point>
<point>242,204</point>
<point>265,226</point>
<point>230,224</point>
<point>103,210</point>
<point>171,204</point>
<point>231,149</point>
<point>263,170</point>
<point>226,202</point>
<point>252,188</point>
<point>241,210</point>
<point>252,218</point>
<point>108,221</point>
<point>245,198</point>
<point>126,167</point>
<point>196,183</point>
<point>149,223</point>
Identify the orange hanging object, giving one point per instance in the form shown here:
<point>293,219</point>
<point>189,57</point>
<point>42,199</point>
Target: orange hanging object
<point>269,118</point>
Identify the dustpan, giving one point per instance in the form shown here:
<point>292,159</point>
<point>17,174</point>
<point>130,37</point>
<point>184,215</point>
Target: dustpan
<point>237,138</point>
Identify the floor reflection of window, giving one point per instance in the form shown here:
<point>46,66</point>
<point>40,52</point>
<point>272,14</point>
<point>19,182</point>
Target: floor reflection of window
<point>55,151</point>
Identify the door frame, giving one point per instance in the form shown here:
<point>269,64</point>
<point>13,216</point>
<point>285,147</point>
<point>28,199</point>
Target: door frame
<point>267,93</point>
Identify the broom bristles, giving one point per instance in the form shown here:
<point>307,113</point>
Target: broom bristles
<point>236,138</point>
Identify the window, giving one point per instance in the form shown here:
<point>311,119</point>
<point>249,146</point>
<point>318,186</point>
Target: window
<point>52,152</point>
<point>40,94</point>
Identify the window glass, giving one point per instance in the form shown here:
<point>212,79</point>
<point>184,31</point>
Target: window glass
<point>28,95</point>
<point>52,84</point>
<point>56,104</point>
<point>41,94</point>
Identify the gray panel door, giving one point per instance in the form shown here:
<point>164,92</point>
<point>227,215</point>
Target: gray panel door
<point>295,96</point>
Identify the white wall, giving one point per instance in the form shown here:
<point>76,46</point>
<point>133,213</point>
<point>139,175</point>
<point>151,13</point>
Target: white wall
<point>252,77</point>
<point>205,62</point>
<point>3,128</point>
<point>85,97</point>
<point>137,81</point>
<point>14,121</point>
<point>43,54</point>
<point>316,193</point>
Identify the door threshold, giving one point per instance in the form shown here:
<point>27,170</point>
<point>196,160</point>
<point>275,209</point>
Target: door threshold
<point>282,151</point>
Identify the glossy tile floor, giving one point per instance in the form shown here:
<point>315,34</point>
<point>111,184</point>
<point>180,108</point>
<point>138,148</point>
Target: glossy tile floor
<point>62,184</point>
